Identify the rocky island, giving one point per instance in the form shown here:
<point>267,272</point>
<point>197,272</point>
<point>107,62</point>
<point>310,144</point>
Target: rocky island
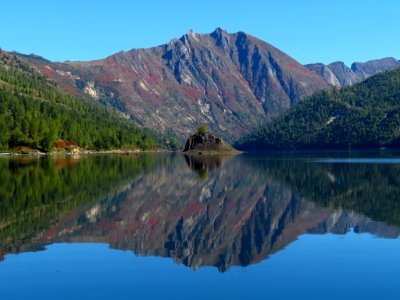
<point>204,142</point>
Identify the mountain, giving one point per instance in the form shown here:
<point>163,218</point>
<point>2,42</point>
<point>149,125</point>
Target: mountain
<point>35,112</point>
<point>363,115</point>
<point>230,82</point>
<point>339,75</point>
<point>233,83</point>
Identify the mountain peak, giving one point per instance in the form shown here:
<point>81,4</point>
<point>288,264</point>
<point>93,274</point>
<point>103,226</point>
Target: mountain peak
<point>372,67</point>
<point>219,32</point>
<point>232,82</point>
<point>191,33</point>
<point>189,36</point>
<point>222,38</point>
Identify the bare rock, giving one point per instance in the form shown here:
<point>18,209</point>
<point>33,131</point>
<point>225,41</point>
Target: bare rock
<point>207,143</point>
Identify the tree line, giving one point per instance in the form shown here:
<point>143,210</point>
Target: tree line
<point>366,115</point>
<point>34,112</point>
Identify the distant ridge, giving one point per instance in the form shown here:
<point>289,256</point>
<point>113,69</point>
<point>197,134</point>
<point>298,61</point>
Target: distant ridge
<point>338,74</point>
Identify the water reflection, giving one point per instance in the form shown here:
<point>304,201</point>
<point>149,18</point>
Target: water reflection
<point>202,164</point>
<point>246,208</point>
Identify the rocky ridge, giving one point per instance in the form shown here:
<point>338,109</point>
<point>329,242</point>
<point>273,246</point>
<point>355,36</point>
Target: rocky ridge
<point>339,75</point>
<point>232,82</point>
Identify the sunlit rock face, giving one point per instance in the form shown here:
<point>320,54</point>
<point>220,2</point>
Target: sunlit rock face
<point>231,82</point>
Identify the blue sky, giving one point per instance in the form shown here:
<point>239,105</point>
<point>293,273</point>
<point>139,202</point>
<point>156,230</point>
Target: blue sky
<point>308,30</point>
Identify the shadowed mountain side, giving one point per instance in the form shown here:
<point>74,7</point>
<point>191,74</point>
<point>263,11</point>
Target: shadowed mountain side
<point>243,212</point>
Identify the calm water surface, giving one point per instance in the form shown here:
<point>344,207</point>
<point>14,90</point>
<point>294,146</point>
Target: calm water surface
<point>276,226</point>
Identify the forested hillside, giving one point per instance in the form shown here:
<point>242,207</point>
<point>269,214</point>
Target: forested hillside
<point>364,115</point>
<point>35,113</point>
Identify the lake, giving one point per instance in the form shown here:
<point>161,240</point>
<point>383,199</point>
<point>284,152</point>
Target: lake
<point>167,226</point>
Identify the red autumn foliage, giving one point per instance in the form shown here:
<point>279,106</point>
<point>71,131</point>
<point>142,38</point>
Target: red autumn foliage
<point>106,77</point>
<point>300,68</point>
<point>194,208</point>
<point>51,233</point>
<point>48,72</point>
<point>68,87</point>
<point>192,93</point>
<point>151,79</point>
<point>153,222</point>
<point>110,63</point>
<point>62,144</point>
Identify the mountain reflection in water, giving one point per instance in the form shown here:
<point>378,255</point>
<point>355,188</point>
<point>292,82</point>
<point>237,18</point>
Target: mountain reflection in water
<point>199,210</point>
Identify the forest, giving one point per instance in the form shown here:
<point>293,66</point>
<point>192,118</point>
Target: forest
<point>366,115</point>
<point>36,113</point>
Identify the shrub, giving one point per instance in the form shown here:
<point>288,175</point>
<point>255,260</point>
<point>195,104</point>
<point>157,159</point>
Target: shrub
<point>202,130</point>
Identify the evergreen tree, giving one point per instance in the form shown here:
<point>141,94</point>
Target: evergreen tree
<point>363,115</point>
<point>34,112</point>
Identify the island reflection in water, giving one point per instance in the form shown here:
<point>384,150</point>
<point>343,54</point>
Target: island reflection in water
<point>198,210</point>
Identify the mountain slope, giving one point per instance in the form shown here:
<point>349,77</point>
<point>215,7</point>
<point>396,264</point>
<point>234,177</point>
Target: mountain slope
<point>35,112</point>
<point>364,115</point>
<point>231,82</point>
<point>339,75</point>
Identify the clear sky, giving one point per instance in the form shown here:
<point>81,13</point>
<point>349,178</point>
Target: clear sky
<point>308,30</point>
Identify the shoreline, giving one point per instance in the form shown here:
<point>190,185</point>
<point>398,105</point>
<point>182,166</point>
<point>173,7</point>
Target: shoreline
<point>188,153</point>
<point>86,152</point>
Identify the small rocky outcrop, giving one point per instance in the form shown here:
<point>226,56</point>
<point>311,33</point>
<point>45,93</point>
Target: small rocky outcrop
<point>207,143</point>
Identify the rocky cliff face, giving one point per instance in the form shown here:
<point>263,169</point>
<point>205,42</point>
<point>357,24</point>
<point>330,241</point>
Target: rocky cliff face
<point>338,74</point>
<point>231,82</point>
